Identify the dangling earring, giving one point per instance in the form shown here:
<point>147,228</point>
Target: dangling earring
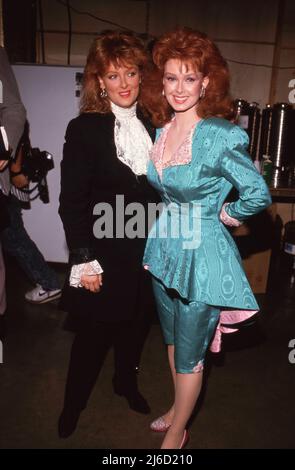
<point>103,93</point>
<point>202,92</point>
<point>163,92</point>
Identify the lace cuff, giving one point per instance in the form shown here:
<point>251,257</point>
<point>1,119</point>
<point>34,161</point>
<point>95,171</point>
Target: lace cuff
<point>227,219</point>
<point>90,269</point>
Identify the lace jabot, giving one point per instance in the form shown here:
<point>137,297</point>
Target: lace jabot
<point>133,143</point>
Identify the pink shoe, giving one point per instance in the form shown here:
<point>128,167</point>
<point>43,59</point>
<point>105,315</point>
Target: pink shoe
<point>184,440</point>
<point>159,425</point>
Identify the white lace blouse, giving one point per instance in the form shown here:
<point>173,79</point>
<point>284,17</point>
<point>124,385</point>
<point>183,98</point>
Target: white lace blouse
<point>133,145</point>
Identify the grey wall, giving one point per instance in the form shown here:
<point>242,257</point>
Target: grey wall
<point>244,31</point>
<point>48,93</point>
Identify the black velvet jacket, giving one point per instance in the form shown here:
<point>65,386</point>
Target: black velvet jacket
<point>91,173</point>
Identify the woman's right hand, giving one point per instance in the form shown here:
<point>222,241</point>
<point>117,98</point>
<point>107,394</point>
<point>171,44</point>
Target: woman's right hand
<point>91,282</point>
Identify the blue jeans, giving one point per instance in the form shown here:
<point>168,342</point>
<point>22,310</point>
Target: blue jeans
<point>16,242</point>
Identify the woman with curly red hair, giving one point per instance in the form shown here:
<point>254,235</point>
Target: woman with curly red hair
<point>199,155</point>
<point>106,152</point>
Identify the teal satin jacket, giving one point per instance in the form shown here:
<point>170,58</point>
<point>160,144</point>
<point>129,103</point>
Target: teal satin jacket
<point>206,266</point>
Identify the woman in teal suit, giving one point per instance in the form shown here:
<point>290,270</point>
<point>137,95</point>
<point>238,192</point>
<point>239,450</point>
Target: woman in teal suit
<point>197,273</point>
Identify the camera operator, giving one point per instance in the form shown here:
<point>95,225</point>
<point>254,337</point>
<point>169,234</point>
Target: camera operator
<point>12,119</point>
<point>15,239</point>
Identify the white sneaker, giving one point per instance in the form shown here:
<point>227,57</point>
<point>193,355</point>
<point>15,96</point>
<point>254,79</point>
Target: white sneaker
<point>40,296</point>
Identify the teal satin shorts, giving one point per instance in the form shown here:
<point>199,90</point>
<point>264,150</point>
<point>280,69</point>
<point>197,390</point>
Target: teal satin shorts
<point>189,326</point>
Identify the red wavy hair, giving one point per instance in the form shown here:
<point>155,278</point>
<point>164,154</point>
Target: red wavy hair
<point>191,48</point>
<point>110,47</point>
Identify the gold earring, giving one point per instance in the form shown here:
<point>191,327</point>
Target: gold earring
<point>103,93</point>
<point>202,92</point>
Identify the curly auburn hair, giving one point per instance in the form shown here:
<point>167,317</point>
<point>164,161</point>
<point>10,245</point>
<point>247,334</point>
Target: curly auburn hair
<point>191,48</point>
<point>109,47</point>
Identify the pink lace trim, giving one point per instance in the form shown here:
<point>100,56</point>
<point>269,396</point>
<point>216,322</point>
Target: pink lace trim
<point>227,219</point>
<point>199,367</point>
<point>228,317</point>
<point>182,156</point>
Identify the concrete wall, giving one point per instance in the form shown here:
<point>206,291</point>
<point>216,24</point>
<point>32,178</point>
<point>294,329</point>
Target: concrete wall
<point>244,31</point>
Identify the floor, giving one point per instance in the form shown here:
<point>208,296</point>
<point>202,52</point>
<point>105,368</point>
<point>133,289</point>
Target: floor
<point>247,399</point>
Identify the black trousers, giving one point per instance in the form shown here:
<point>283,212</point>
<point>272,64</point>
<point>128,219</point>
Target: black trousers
<point>88,353</point>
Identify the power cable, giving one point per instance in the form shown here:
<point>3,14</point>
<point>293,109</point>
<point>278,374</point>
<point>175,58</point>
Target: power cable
<point>258,65</point>
<point>86,13</point>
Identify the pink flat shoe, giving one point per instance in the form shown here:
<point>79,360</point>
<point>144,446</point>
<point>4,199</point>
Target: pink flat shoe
<point>159,425</point>
<point>184,440</point>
